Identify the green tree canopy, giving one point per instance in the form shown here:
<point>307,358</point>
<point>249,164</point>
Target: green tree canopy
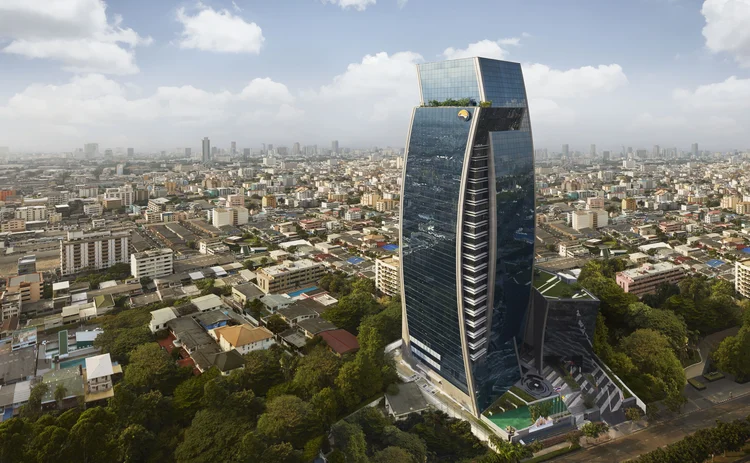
<point>150,368</point>
<point>289,419</point>
<point>733,354</point>
<point>657,372</point>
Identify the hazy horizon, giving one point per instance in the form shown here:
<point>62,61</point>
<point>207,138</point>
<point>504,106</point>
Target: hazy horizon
<point>155,76</point>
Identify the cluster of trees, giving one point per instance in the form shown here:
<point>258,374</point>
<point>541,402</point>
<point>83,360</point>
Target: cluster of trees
<point>733,354</point>
<point>115,272</point>
<point>645,341</point>
<point>704,444</point>
<point>278,408</point>
<point>207,287</point>
<point>640,343</point>
<point>433,436</point>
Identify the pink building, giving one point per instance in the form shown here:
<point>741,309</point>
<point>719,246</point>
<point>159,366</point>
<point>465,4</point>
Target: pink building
<point>648,277</point>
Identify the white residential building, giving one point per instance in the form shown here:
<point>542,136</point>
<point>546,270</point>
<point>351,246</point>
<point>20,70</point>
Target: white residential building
<point>592,218</point>
<point>387,277</point>
<point>289,275</point>
<point>99,371</point>
<point>222,216</point>
<point>742,277</point>
<point>153,263</point>
<point>32,213</point>
<point>94,251</point>
<point>125,194</point>
<point>93,209</point>
<point>159,319</point>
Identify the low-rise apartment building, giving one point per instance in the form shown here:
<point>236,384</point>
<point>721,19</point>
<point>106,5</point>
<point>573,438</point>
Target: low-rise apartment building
<point>93,251</point>
<point>387,275</point>
<point>742,277</point>
<point>647,278</point>
<point>153,263</point>
<point>289,275</point>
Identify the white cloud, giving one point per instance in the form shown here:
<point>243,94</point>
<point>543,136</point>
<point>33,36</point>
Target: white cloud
<point>545,82</point>
<point>219,31</point>
<point>94,106</point>
<point>75,33</point>
<point>359,5</point>
<point>236,8</point>
<point>266,91</point>
<point>402,3</point>
<point>381,87</point>
<point>726,28</point>
<point>733,93</point>
<point>510,41</point>
<point>369,103</point>
<point>483,48</point>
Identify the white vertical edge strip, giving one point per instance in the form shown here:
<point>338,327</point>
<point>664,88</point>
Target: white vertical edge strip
<point>459,259</point>
<point>404,319</point>
<point>478,71</point>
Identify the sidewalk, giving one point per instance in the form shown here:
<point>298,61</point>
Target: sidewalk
<point>660,433</point>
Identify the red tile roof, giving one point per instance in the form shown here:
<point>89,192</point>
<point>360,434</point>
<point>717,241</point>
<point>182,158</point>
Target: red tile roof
<point>340,341</point>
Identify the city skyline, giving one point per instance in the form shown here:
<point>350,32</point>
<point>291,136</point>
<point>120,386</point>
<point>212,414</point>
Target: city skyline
<point>111,83</point>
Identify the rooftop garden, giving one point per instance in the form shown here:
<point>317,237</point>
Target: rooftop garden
<point>459,102</point>
<point>553,287</point>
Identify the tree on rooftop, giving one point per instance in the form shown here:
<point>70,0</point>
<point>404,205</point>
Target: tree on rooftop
<point>60,393</point>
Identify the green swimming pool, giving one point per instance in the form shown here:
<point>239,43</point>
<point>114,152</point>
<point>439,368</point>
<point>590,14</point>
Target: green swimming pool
<point>519,418</point>
<point>73,363</point>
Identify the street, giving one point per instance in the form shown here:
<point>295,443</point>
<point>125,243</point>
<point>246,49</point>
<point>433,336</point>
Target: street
<point>661,434</point>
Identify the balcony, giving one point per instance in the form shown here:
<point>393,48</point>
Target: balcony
<point>474,323</point>
<point>476,269</point>
<point>475,334</point>
<point>475,311</point>
<point>475,301</point>
<point>474,345</point>
<point>477,355</point>
<point>473,291</point>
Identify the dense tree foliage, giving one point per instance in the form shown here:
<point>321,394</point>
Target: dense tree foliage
<point>702,445</point>
<point>733,354</point>
<point>640,343</point>
<point>279,408</point>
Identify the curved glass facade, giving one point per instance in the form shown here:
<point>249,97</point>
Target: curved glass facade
<point>468,226</point>
<point>430,214</point>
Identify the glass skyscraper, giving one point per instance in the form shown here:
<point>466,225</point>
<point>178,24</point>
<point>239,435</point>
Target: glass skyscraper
<point>467,220</point>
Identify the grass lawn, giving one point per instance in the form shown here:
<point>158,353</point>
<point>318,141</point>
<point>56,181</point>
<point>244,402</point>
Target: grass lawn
<point>522,394</point>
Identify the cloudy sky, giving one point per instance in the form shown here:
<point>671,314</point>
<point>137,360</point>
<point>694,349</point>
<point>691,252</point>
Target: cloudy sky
<point>163,74</point>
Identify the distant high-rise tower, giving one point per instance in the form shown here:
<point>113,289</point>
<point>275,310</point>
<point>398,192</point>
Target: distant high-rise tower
<point>296,149</point>
<point>270,147</point>
<point>592,150</point>
<point>206,150</point>
<point>246,153</point>
<point>234,147</point>
<point>695,149</point>
<point>335,147</point>
<point>605,155</point>
<point>131,152</point>
<point>188,153</point>
<point>467,233</point>
<point>91,149</point>
<point>565,150</point>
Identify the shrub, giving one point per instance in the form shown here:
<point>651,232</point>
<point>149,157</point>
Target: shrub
<point>697,384</point>
<point>713,376</point>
